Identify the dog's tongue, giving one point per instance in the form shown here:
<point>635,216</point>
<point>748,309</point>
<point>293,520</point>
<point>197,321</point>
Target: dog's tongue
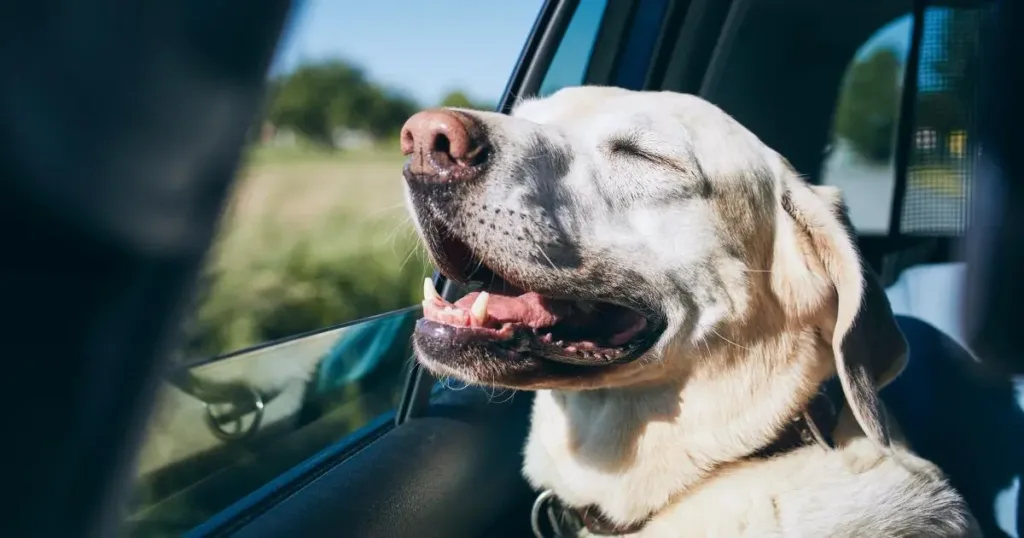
<point>529,309</point>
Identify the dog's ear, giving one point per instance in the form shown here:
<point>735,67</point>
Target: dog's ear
<point>869,349</point>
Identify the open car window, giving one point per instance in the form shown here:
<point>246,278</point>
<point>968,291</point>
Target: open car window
<point>299,335</point>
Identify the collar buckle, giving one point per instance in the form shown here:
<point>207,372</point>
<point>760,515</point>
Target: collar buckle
<point>561,522</point>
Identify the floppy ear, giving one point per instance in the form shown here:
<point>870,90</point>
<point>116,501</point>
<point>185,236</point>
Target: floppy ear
<point>869,349</point>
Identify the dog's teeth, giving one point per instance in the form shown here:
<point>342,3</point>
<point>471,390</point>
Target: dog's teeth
<point>429,293</point>
<point>479,308</point>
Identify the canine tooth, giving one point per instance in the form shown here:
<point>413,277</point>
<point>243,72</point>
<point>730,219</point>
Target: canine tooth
<point>479,308</point>
<point>429,293</point>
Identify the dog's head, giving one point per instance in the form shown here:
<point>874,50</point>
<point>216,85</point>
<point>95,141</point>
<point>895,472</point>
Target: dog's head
<point>613,233</point>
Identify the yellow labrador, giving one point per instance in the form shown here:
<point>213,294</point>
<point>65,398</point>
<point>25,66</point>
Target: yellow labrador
<point>679,298</point>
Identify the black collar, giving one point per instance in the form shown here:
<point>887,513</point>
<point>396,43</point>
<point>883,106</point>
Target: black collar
<point>813,425</point>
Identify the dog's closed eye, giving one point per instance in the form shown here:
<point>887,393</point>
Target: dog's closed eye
<point>630,147</point>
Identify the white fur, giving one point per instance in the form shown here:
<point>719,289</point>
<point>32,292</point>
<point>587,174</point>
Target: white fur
<point>764,297</point>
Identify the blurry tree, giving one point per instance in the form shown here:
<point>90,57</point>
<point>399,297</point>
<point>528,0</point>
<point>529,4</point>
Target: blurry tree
<point>867,113</point>
<point>459,99</point>
<point>318,98</point>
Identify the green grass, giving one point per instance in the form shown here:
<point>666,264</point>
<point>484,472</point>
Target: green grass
<point>311,238</point>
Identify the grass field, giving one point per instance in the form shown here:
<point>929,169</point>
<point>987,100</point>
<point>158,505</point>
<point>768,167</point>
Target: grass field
<point>310,239</point>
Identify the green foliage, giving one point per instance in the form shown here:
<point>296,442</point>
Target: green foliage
<point>267,280</point>
<point>348,269</point>
<point>869,107</point>
<point>459,99</point>
<point>318,98</point>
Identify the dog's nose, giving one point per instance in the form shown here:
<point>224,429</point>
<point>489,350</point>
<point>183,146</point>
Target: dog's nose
<point>444,145</point>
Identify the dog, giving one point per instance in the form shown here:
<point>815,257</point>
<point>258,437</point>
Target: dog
<point>690,312</point>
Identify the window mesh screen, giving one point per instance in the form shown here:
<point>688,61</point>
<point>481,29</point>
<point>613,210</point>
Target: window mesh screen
<point>942,152</point>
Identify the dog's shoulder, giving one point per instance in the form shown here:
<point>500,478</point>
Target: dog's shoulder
<point>854,490</point>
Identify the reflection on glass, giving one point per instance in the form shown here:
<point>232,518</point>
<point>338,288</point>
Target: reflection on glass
<point>225,428</point>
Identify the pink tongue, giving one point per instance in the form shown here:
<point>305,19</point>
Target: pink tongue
<point>529,309</point>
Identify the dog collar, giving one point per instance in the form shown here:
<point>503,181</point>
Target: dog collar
<point>813,425</point>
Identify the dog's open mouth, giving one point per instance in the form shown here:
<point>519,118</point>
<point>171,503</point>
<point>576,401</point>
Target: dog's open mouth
<point>567,330</point>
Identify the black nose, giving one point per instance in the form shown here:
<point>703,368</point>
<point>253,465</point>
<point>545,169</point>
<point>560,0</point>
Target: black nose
<point>444,145</point>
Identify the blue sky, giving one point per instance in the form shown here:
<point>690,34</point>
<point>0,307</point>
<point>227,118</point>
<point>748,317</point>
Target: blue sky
<point>422,47</point>
<point>895,35</point>
<point>428,47</point>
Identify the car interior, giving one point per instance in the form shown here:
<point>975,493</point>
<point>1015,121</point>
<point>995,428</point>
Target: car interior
<point>115,255</point>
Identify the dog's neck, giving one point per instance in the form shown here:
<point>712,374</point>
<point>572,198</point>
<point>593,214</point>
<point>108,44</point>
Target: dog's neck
<point>631,451</point>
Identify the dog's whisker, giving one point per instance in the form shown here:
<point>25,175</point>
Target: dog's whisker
<point>718,334</point>
<point>446,382</point>
<point>542,253</point>
<point>381,210</point>
<point>412,252</point>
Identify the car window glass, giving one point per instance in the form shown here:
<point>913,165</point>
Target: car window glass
<point>942,152</point>
<point>861,158</point>
<point>299,334</point>
<point>569,65</point>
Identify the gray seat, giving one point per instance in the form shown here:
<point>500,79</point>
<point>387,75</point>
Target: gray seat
<point>932,293</point>
<point>969,423</point>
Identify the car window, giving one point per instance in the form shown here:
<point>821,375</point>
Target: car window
<point>861,157</point>
<point>299,333</point>
<point>942,152</point>
<point>569,65</point>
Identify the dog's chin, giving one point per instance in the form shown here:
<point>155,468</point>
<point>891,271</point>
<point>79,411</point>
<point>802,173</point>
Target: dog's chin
<point>474,358</point>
